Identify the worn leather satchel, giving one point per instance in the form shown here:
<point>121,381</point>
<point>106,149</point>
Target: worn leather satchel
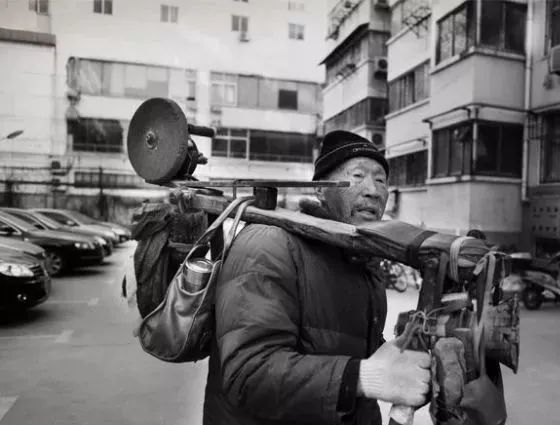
<point>181,328</point>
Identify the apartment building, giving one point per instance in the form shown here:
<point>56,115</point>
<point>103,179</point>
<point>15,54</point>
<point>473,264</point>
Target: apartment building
<point>355,94</point>
<point>471,130</point>
<point>77,71</point>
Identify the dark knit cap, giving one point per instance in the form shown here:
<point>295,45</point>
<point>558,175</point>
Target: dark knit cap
<point>339,146</point>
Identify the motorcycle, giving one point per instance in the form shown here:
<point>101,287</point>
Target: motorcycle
<point>536,279</point>
<point>398,276</point>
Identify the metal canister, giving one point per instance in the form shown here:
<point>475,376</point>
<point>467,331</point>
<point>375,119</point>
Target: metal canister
<point>197,272</point>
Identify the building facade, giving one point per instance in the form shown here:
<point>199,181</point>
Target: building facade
<point>473,114</point>
<point>78,71</point>
<point>355,94</point>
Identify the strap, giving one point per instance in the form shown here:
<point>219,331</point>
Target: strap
<point>201,245</point>
<point>414,246</point>
<point>232,232</point>
<point>488,264</point>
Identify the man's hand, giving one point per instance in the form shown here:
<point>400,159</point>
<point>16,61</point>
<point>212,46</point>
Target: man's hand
<point>395,377</point>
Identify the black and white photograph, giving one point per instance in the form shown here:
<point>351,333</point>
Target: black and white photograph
<point>279,212</point>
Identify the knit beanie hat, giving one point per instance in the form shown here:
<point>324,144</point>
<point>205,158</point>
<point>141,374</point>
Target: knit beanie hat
<point>339,146</point>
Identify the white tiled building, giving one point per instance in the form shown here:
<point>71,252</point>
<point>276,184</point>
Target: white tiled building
<point>78,71</point>
<point>472,126</point>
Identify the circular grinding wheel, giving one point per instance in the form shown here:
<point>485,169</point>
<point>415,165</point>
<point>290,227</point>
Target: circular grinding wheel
<point>157,140</point>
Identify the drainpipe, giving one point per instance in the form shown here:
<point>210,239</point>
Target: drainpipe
<point>528,79</point>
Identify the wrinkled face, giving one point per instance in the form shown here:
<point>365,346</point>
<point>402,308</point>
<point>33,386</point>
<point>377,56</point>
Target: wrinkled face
<point>365,200</point>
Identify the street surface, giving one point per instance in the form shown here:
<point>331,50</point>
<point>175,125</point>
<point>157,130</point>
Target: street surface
<point>74,361</point>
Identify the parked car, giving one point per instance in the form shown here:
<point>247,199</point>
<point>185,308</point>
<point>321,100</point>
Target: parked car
<point>67,218</point>
<point>42,222</point>
<point>122,232</point>
<point>63,250</point>
<point>24,281</point>
<point>23,247</point>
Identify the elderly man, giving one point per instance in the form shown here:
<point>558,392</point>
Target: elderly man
<point>299,323</point>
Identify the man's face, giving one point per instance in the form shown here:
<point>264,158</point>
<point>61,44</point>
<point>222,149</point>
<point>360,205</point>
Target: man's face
<point>365,200</point>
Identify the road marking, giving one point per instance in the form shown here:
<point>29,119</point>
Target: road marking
<point>61,338</point>
<point>6,404</point>
<point>91,302</point>
<point>64,337</point>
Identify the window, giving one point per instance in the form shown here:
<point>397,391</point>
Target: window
<point>456,32</point>
<point>408,170</point>
<point>239,23</point>
<point>410,88</point>
<point>550,149</point>
<point>367,46</point>
<point>279,146</point>
<point>223,89</point>
<point>7,230</point>
<point>296,5</point>
<point>503,25</point>
<point>408,12</point>
<point>296,31</point>
<point>230,143</point>
<point>191,85</point>
<point>39,6</point>
<point>452,150</point>
<point>370,111</point>
<point>96,135</point>
<point>103,6</point>
<point>287,99</point>
<point>498,150</point>
<point>553,23</point>
<point>169,13</point>
<point>261,145</point>
<point>117,79</point>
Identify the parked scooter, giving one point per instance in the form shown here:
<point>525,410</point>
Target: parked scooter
<point>536,279</point>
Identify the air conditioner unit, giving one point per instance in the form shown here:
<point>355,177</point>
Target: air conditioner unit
<point>215,109</point>
<point>378,139</point>
<point>554,59</point>
<point>380,67</point>
<point>243,36</point>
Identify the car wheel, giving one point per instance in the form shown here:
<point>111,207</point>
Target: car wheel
<point>55,263</point>
<point>532,298</point>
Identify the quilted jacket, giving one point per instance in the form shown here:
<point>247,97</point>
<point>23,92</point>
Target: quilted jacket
<point>290,313</point>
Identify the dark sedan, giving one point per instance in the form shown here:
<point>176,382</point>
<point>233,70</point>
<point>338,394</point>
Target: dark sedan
<point>63,250</point>
<point>42,222</point>
<point>24,281</point>
<point>67,218</point>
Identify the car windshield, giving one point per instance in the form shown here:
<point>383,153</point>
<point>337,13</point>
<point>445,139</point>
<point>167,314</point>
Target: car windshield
<point>82,217</point>
<point>17,222</point>
<point>47,221</point>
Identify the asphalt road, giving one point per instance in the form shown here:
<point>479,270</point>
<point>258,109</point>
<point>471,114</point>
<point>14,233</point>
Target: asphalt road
<point>73,360</point>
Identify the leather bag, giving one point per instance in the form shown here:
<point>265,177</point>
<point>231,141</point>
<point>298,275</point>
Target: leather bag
<point>181,328</point>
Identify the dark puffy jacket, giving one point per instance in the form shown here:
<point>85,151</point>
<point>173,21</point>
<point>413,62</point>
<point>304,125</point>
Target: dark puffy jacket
<point>290,313</point>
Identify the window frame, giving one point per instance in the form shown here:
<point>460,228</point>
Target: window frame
<point>504,26</point>
<point>240,19</point>
<point>466,153</point>
<point>552,8</point>
<point>35,6</point>
<point>407,86</point>
<point>219,80</point>
<point>229,138</point>
<point>296,31</point>
<point>88,128</point>
<point>407,163</point>
<point>469,6</point>
<point>287,105</point>
<point>106,7</point>
<point>498,172</point>
<point>546,151</point>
